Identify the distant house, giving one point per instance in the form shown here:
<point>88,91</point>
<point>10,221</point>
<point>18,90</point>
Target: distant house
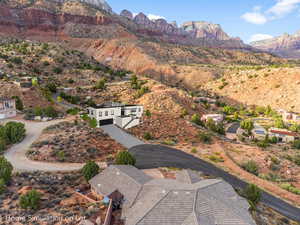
<point>7,108</point>
<point>289,116</point>
<point>283,135</point>
<point>24,82</point>
<point>188,200</point>
<point>217,118</point>
<point>125,116</point>
<point>259,133</point>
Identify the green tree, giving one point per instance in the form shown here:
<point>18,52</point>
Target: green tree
<point>279,124</point>
<point>19,103</point>
<point>2,145</point>
<point>50,112</point>
<point>296,144</point>
<point>15,132</point>
<point>215,127</point>
<point>34,81</point>
<point>253,194</point>
<point>247,125</point>
<point>5,169</point>
<point>125,158</point>
<point>90,170</point>
<point>30,200</point>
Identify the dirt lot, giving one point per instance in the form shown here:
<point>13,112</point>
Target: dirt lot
<point>76,143</point>
<point>59,204</point>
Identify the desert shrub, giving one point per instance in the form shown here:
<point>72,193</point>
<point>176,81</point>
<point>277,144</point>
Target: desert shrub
<point>5,169</point>
<point>251,167</point>
<point>291,188</point>
<point>205,137</point>
<point>215,127</point>
<point>52,87</point>
<point>148,113</point>
<point>196,119</point>
<point>147,136</point>
<point>101,84</point>
<point>263,144</point>
<point>253,194</point>
<point>296,144</point>
<point>2,145</point>
<point>30,200</point>
<point>57,70</point>
<point>216,158</point>
<point>125,158</point>
<point>93,123</point>
<point>60,155</point>
<point>229,110</point>
<point>2,186</point>
<point>73,111</point>
<point>16,60</point>
<point>89,170</point>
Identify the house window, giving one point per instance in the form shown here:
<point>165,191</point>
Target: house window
<point>92,112</point>
<point>140,109</point>
<point>106,113</point>
<point>112,112</point>
<point>133,110</point>
<point>100,114</point>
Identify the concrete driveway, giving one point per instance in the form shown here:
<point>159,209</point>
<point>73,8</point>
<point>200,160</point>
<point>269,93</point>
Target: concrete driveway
<point>121,136</point>
<point>16,155</point>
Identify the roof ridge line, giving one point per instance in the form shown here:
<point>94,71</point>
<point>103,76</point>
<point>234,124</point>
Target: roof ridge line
<point>153,206</point>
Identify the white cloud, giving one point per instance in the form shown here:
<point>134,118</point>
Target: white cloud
<point>283,8</point>
<point>255,18</point>
<point>259,37</point>
<point>280,9</point>
<point>155,17</point>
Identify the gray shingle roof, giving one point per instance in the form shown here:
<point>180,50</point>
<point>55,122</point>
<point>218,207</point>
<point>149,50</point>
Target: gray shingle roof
<point>188,176</point>
<point>172,202</point>
<point>127,180</point>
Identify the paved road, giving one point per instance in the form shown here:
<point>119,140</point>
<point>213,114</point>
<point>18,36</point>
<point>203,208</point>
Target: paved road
<point>121,136</point>
<point>17,153</point>
<point>233,128</point>
<point>153,156</point>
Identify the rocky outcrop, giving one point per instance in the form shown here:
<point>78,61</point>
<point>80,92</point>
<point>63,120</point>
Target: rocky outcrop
<point>127,14</point>
<point>100,4</point>
<point>205,30</point>
<point>286,45</point>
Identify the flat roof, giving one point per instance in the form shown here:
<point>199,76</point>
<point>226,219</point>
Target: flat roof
<point>113,105</point>
<point>6,99</point>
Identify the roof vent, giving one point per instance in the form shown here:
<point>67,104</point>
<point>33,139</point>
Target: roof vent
<point>118,173</point>
<point>175,193</point>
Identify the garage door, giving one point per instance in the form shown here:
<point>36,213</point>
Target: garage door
<point>106,122</point>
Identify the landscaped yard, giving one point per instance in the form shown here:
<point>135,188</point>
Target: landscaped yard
<point>73,142</point>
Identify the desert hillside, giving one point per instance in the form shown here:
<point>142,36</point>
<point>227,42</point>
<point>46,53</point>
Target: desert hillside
<point>277,87</point>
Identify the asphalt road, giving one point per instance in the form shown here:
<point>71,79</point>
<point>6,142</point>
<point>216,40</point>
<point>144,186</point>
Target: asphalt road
<point>153,156</point>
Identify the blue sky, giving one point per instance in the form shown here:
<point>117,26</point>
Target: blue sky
<point>247,19</point>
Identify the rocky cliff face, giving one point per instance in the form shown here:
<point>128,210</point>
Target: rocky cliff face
<point>192,33</point>
<point>205,30</point>
<point>286,45</point>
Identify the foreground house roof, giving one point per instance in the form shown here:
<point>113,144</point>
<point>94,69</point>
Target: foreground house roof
<point>186,201</point>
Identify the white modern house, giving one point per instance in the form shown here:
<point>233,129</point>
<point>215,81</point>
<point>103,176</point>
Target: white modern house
<point>124,116</point>
<point>217,118</point>
<point>283,135</point>
<point>7,108</point>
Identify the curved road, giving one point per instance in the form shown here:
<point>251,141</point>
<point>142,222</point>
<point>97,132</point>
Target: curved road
<point>153,156</point>
<point>16,155</point>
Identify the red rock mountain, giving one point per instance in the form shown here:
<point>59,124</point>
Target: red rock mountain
<point>137,43</point>
<point>287,46</point>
